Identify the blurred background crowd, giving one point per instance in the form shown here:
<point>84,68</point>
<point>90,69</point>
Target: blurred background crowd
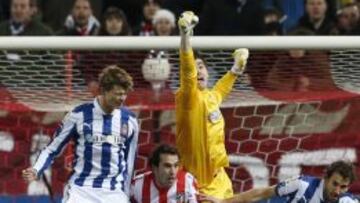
<point>158,17</point>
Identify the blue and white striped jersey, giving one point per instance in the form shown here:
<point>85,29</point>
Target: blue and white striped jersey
<point>307,189</point>
<point>105,146</point>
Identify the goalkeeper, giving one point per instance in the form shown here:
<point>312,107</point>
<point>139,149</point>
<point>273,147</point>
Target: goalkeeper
<point>200,125</point>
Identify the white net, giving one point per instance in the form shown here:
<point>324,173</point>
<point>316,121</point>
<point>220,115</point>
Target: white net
<point>58,80</point>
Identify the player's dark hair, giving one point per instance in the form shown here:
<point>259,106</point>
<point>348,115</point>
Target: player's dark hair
<point>198,55</point>
<point>343,168</point>
<point>114,75</point>
<point>162,149</point>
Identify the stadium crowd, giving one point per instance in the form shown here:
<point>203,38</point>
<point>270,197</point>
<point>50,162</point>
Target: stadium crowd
<point>157,17</point>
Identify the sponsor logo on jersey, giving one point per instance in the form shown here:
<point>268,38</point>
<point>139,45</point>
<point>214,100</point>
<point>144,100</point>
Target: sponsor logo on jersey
<point>124,129</point>
<point>100,139</point>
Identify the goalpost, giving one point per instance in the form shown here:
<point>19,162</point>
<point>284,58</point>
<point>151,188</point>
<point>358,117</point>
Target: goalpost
<point>295,109</point>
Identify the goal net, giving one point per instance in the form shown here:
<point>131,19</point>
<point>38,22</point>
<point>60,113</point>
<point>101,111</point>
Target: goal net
<point>295,110</point>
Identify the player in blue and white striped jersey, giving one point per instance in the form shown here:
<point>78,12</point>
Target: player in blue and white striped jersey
<point>331,188</point>
<point>106,136</point>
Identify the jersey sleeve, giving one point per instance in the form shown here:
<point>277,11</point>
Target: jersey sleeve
<point>63,134</point>
<point>288,186</point>
<point>188,79</point>
<point>223,86</point>
<point>348,199</point>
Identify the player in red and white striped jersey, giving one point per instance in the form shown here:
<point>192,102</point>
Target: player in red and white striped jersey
<point>165,183</point>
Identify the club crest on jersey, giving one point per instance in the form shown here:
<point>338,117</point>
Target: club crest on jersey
<point>124,129</point>
<point>215,116</point>
<point>180,197</point>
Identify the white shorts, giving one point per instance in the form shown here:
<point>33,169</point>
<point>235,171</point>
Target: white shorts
<point>75,194</point>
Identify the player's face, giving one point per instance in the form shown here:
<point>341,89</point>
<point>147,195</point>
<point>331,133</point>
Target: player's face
<point>114,25</point>
<point>335,185</point>
<point>115,97</point>
<point>82,12</point>
<point>316,9</point>
<point>21,10</point>
<point>165,173</point>
<point>203,74</point>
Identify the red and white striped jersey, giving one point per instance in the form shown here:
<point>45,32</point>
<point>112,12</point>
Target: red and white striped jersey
<point>145,190</point>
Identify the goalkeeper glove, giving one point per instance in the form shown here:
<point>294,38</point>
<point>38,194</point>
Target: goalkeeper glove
<point>240,59</point>
<point>187,22</point>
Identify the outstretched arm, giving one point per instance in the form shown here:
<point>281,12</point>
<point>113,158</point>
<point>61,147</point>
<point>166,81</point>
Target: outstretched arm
<point>62,136</point>
<point>225,84</point>
<point>281,189</point>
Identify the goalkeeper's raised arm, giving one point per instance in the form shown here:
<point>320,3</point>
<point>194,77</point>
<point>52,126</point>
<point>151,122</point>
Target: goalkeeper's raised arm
<point>188,71</point>
<point>200,126</point>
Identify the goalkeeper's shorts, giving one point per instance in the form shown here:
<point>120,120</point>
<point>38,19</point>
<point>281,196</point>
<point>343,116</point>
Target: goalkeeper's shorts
<point>220,187</point>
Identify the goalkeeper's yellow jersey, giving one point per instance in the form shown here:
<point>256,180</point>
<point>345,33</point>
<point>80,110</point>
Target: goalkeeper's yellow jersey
<point>199,123</point>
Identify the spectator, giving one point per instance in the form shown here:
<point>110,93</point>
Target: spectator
<point>348,19</point>
<point>131,8</point>
<point>22,22</point>
<point>81,21</point>
<point>317,18</point>
<point>166,182</point>
<point>54,12</point>
<point>231,17</point>
<point>145,28</point>
<point>164,23</point>
<point>301,70</point>
<point>115,23</point>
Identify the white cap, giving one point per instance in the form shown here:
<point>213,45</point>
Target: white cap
<point>164,13</point>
